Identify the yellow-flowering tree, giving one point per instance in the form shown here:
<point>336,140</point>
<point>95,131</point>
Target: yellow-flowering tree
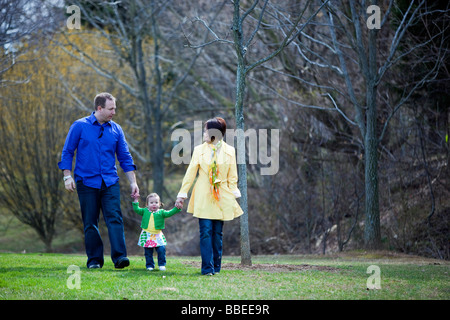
<point>33,126</point>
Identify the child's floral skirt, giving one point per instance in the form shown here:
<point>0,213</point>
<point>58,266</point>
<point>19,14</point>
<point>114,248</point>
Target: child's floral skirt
<point>151,240</point>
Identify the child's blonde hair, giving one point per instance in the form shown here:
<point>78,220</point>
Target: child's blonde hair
<point>154,195</point>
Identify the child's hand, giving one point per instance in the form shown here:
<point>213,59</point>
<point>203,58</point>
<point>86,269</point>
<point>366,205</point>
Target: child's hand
<point>135,197</point>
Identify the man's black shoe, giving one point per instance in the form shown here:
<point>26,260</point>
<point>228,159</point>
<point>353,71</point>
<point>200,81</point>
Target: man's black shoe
<point>122,263</point>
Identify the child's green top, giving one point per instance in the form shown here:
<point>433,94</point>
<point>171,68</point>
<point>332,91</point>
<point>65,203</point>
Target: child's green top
<point>158,216</point>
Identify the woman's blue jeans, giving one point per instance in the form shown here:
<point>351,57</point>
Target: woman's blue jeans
<point>211,245</point>
<point>161,251</point>
<point>91,201</point>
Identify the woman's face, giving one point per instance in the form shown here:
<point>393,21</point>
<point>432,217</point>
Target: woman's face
<point>206,137</point>
<point>215,133</point>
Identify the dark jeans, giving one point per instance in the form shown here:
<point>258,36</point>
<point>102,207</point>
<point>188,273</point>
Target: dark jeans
<point>108,199</point>
<point>161,251</point>
<point>211,245</point>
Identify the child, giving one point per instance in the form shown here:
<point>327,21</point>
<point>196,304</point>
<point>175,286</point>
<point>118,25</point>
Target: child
<point>152,225</point>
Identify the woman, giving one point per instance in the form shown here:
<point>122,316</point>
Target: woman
<point>213,198</point>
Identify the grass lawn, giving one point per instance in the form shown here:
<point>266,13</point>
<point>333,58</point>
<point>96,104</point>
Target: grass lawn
<point>45,276</point>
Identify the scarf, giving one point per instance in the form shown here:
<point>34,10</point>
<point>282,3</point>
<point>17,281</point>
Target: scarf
<point>214,171</point>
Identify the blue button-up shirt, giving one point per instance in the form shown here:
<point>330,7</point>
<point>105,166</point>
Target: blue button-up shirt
<point>97,146</point>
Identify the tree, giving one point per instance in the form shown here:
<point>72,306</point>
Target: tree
<point>242,44</point>
<point>373,71</point>
<point>21,20</point>
<point>345,41</point>
<point>31,135</point>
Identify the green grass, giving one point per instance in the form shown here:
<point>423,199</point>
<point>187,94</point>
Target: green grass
<point>44,276</point>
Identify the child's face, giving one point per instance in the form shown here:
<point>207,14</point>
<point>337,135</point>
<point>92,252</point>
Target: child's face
<point>153,203</point>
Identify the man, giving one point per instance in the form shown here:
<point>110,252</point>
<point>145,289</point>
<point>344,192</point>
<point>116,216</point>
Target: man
<point>98,140</point>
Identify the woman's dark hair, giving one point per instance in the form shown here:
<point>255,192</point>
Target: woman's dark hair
<point>217,123</point>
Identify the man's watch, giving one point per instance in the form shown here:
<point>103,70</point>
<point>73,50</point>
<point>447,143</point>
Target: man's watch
<point>65,178</point>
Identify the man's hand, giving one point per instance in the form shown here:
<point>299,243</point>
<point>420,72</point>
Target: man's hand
<point>134,191</point>
<point>69,184</point>
<point>133,184</point>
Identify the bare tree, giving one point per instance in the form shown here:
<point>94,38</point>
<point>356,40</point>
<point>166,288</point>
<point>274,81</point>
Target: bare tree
<point>242,43</point>
<point>22,21</point>
<point>352,40</point>
<point>29,182</point>
<point>30,135</point>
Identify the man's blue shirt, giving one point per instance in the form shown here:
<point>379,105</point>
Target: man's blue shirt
<point>97,146</point>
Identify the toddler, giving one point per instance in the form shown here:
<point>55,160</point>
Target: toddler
<point>152,225</point>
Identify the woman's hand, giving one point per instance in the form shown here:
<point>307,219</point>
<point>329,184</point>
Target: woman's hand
<point>179,203</point>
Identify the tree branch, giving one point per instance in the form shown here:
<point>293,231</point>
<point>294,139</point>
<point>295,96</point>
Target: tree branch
<point>288,39</point>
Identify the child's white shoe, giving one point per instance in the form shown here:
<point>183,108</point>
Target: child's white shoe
<point>149,269</point>
<point>162,268</point>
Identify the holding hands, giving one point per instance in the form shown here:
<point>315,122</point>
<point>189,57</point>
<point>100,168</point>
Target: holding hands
<point>179,203</point>
<point>134,191</point>
<point>135,197</point>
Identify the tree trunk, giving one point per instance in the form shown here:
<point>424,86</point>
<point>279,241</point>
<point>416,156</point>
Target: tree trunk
<point>158,164</point>
<point>242,169</point>
<point>48,246</point>
<point>372,235</point>
<point>240,125</point>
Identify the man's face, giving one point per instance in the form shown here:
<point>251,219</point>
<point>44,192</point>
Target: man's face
<point>106,114</point>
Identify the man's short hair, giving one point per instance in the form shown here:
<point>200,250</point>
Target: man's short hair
<point>100,99</point>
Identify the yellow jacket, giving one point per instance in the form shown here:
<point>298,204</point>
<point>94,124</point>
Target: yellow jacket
<point>202,203</point>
